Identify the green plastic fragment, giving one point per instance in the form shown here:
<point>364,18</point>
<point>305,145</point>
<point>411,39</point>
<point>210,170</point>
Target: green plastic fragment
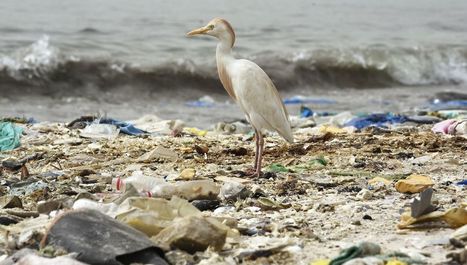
<point>10,135</point>
<point>278,168</point>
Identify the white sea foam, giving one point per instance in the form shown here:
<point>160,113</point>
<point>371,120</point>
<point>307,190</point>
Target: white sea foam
<point>33,61</point>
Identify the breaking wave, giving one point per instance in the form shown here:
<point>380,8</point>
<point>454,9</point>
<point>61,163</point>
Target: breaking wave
<point>44,68</point>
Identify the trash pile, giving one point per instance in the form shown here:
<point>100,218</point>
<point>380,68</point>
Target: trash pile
<point>378,188</point>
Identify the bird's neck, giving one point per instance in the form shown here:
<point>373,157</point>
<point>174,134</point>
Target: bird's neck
<point>224,51</point>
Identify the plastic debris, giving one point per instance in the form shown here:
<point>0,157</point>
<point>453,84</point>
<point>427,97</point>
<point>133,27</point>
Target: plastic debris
<point>377,119</point>
<point>422,211</point>
<point>86,231</point>
<point>100,131</point>
<point>423,205</point>
<point>451,104</point>
<point>333,129</point>
<point>204,102</point>
<point>462,182</point>
<point>455,217</point>
<point>308,100</point>
<point>124,127</point>
<point>414,184</point>
<point>321,262</point>
<point>277,168</point>
<point>454,127</point>
<point>10,135</point>
<point>271,213</point>
<point>237,127</point>
<point>154,187</point>
<point>305,112</point>
<point>361,250</point>
<point>137,180</point>
<point>152,215</point>
<point>154,125</point>
<point>195,131</point>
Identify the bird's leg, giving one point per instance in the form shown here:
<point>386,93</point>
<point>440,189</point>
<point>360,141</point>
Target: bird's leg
<point>257,149</point>
<point>260,154</point>
<point>254,171</point>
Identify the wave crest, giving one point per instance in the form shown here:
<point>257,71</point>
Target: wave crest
<point>44,67</point>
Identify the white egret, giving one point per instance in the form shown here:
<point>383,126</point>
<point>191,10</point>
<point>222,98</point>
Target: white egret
<point>249,86</point>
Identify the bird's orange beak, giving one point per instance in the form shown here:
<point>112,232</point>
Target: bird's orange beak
<point>201,30</point>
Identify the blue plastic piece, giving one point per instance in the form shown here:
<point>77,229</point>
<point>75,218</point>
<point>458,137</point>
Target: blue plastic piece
<point>200,104</point>
<point>462,182</point>
<point>305,112</point>
<point>124,127</point>
<point>452,104</point>
<point>377,119</point>
<point>305,100</point>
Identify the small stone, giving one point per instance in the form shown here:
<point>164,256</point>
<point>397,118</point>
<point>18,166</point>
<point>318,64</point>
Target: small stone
<point>12,164</point>
<point>178,257</point>
<point>158,153</point>
<point>205,205</point>
<point>240,151</point>
<point>201,149</point>
<point>356,222</point>
<point>8,219</point>
<point>192,234</point>
<point>367,217</point>
<point>187,174</point>
<point>364,195</point>
<point>414,184</point>
<point>46,207</point>
<point>232,191</point>
<point>269,175</point>
<point>9,201</point>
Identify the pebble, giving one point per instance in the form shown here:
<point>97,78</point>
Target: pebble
<point>364,195</point>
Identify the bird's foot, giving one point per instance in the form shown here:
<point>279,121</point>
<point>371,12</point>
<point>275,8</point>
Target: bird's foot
<point>253,172</point>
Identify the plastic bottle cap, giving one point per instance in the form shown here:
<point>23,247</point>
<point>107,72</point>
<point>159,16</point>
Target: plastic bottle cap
<point>119,183</point>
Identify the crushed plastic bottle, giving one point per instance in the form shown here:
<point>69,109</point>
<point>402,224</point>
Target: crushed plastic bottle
<point>158,188</point>
<point>142,183</point>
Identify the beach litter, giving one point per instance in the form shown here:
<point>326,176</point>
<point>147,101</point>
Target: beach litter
<point>376,119</point>
<point>452,126</point>
<point>414,184</point>
<point>203,102</point>
<point>86,231</point>
<point>100,131</point>
<point>196,189</point>
<point>10,136</point>
<point>308,100</point>
<point>422,211</point>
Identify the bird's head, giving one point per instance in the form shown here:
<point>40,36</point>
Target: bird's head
<point>218,28</point>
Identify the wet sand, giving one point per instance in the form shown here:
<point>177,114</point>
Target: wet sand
<point>172,103</point>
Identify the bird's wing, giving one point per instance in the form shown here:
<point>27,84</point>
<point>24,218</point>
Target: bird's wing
<point>259,98</point>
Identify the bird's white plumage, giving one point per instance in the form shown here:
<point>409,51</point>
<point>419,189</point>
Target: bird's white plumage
<point>258,97</point>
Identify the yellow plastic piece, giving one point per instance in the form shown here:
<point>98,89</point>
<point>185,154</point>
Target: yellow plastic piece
<point>321,262</point>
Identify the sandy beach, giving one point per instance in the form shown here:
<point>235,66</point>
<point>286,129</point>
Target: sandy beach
<point>314,199</point>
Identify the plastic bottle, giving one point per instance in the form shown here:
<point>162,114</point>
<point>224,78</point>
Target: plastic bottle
<point>141,182</point>
<point>154,187</point>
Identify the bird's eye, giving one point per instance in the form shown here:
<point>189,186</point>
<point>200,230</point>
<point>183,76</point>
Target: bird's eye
<point>211,27</point>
